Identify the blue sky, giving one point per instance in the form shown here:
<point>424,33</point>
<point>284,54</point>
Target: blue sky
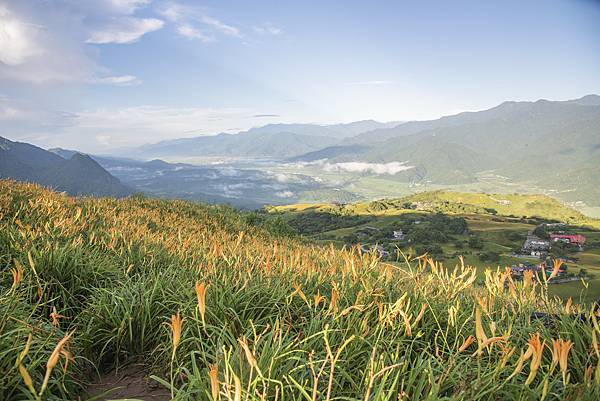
<point>94,75</point>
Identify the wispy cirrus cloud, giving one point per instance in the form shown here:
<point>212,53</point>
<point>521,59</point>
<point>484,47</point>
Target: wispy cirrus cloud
<point>121,80</point>
<point>193,22</point>
<point>190,32</point>
<point>221,26</point>
<point>126,6</point>
<point>267,29</point>
<point>125,30</point>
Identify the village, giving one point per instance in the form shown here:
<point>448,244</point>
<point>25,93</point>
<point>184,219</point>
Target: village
<point>539,244</point>
<point>542,246</point>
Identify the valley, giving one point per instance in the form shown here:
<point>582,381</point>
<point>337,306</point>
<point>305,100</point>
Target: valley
<point>487,230</point>
<point>515,147</point>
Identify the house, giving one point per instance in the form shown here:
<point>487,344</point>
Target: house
<point>573,239</point>
<point>518,270</point>
<point>378,249</point>
<point>554,225</point>
<point>398,235</point>
<point>535,246</point>
<point>548,266</point>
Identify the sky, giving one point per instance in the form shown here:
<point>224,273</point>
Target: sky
<point>95,75</point>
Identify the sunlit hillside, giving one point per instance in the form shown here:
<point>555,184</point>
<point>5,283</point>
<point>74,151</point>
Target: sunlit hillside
<point>208,304</point>
<point>513,205</point>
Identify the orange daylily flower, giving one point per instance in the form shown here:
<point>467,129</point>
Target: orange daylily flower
<point>201,295</point>
<point>466,343</point>
<point>176,325</point>
<point>560,355</point>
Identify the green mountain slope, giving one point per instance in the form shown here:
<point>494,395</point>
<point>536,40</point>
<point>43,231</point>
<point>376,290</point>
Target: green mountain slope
<point>450,202</point>
<point>77,175</point>
<point>81,175</point>
<point>540,144</point>
<point>23,161</point>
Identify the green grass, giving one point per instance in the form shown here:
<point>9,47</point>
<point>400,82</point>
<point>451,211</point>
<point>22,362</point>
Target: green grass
<point>529,206</point>
<point>117,270</point>
<point>493,229</point>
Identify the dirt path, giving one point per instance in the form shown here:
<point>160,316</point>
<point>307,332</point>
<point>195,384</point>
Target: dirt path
<point>130,382</point>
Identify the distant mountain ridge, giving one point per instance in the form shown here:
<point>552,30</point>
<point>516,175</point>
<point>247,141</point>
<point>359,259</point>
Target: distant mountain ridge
<point>544,144</point>
<point>549,146</point>
<point>520,140</point>
<point>270,141</point>
<point>77,175</point>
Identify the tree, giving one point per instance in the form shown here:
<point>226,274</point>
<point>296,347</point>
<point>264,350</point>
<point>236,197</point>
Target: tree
<point>541,232</point>
<point>407,205</point>
<point>560,249</point>
<point>514,236</point>
<point>489,256</point>
<point>475,242</point>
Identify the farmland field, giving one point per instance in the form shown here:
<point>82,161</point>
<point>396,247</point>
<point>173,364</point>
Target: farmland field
<point>501,232</point>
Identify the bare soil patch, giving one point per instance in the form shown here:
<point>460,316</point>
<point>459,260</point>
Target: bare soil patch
<point>129,382</point>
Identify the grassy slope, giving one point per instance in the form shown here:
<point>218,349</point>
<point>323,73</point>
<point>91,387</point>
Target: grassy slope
<point>462,202</point>
<point>483,225</point>
<point>116,270</point>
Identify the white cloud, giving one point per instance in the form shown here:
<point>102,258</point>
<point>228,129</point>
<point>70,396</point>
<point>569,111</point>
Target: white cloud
<point>284,194</point>
<point>9,113</point>
<point>190,32</point>
<point>17,39</point>
<point>121,80</point>
<point>267,29</point>
<point>220,26</point>
<point>283,178</point>
<point>125,30</point>
<point>391,168</point>
<point>126,6</point>
<point>187,18</point>
<point>43,42</point>
<point>174,12</point>
<point>144,124</point>
<point>27,119</point>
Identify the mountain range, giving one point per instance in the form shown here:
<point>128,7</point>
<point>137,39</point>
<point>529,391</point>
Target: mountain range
<point>552,147</point>
<point>76,175</point>
<point>270,141</point>
<point>545,145</point>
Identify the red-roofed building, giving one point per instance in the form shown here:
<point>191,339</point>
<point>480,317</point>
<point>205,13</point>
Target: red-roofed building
<point>576,239</point>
